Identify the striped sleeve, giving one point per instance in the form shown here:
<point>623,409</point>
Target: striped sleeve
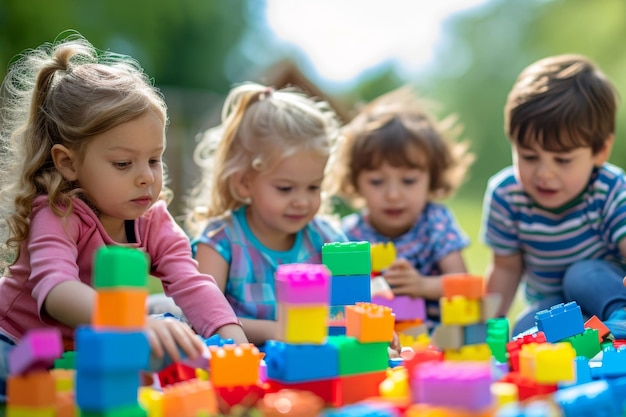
<point>498,229</point>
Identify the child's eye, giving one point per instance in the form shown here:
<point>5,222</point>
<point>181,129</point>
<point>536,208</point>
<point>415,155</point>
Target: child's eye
<point>529,158</point>
<point>375,182</point>
<point>314,188</point>
<point>409,181</point>
<point>284,189</point>
<point>155,161</point>
<point>563,161</point>
<point>121,165</point>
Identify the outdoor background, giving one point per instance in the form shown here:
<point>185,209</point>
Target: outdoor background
<point>465,55</point>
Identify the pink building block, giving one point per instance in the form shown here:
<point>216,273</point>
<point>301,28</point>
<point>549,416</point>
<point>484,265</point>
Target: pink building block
<point>302,284</point>
<point>404,307</point>
<point>37,350</point>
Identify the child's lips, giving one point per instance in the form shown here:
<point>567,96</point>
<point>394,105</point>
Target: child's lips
<point>394,212</point>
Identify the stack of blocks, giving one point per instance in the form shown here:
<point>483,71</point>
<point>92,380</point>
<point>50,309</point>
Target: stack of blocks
<point>341,369</point>
<point>350,266</point>
<point>112,352</point>
<point>410,312</point>
<point>465,310</point>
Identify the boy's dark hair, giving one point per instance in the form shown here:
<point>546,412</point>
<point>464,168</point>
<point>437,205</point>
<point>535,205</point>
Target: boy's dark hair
<point>561,102</point>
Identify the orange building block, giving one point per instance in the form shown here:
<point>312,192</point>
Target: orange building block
<point>235,365</point>
<point>36,389</point>
<point>595,323</point>
<point>189,399</point>
<point>369,322</point>
<point>291,403</point>
<point>65,406</point>
<point>120,308</point>
<point>465,285</point>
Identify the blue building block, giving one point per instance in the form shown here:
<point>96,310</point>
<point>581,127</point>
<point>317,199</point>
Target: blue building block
<point>362,410</point>
<point>475,334</point>
<point>111,351</point>
<point>336,330</point>
<point>216,340</point>
<point>350,289</point>
<point>583,372</point>
<point>103,391</point>
<point>298,363</point>
<point>618,389</point>
<point>613,362</point>
<point>593,399</point>
<point>510,410</point>
<point>560,321</point>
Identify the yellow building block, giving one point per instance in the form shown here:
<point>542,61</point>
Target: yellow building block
<point>459,310</point>
<point>63,379</point>
<point>383,255</point>
<point>504,393</point>
<point>480,352</point>
<point>234,365</point>
<point>151,400</point>
<point>548,363</point>
<point>396,385</point>
<point>369,322</point>
<point>24,411</point>
<point>303,324</point>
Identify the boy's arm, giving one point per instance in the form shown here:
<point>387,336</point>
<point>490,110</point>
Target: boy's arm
<point>503,277</point>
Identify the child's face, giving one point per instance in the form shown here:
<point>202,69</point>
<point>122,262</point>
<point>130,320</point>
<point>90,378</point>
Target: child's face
<point>395,197</point>
<point>553,179</point>
<point>285,198</point>
<point>121,170</point>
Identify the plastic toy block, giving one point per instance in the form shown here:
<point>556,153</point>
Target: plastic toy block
<point>474,334</point>
<point>350,289</point>
<point>235,365</point>
<point>108,351</point>
<point>585,344</point>
<point>403,306</point>
<point>302,324</point>
<point>382,255</point>
<point>504,393</point>
<point>448,337</point>
<point>396,384</point>
<point>459,310</point>
<point>119,266</point>
<point>479,352</point>
<point>469,286</point>
<point>513,348</point>
<point>298,403</point>
<point>336,330</point>
<point>299,363</point>
<point>175,373</point>
<point>25,411</point>
<point>489,306</point>
<point>151,400</point>
<point>591,399</point>
<point>347,258</point>
<point>613,362</point>
<point>358,358</point>
<point>216,340</point>
<point>548,363</point>
<point>499,369</point>
<point>35,389</point>
<point>410,340</point>
<point>354,388</point>
<point>246,397</point>
<point>188,398</point>
<point>582,372</point>
<point>470,383</point>
<point>369,322</point>
<point>337,316</point>
<point>133,410</point>
<point>122,309</point>
<point>325,389</point>
<point>302,284</point>
<point>63,379</point>
<point>67,361</point>
<point>104,392</point>
<point>37,350</point>
<point>413,358</point>
<point>595,323</point>
<point>408,325</point>
<point>65,406</point>
<point>527,387</point>
<point>498,337</point>
<point>560,321</point>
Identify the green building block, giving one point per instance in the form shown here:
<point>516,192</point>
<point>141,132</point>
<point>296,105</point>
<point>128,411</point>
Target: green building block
<point>358,358</point>
<point>119,266</point>
<point>67,361</point>
<point>130,411</point>
<point>498,337</point>
<point>585,344</point>
<point>347,258</point>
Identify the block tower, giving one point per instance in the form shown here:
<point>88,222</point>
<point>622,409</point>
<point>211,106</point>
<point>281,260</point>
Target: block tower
<point>350,266</point>
<point>111,353</point>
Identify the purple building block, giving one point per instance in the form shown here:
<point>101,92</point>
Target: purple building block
<point>302,284</point>
<point>37,350</point>
<point>404,307</point>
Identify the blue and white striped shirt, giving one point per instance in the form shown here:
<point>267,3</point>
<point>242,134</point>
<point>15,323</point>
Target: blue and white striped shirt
<point>588,227</point>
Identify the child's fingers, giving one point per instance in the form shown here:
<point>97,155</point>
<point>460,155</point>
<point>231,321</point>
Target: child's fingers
<point>400,263</point>
<point>155,344</point>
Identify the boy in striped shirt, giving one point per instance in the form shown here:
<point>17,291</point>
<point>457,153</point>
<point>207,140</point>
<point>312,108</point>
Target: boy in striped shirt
<point>555,220</point>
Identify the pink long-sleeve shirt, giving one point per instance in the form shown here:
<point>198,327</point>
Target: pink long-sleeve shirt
<point>59,250</point>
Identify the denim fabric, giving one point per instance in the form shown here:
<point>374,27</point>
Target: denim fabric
<point>5,346</point>
<point>596,286</point>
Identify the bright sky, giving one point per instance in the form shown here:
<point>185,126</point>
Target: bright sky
<point>344,38</point>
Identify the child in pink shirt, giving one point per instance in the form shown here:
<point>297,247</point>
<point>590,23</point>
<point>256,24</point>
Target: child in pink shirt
<point>82,169</point>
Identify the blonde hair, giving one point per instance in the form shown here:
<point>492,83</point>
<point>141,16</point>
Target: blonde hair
<point>384,130</point>
<point>63,92</point>
<point>260,126</point>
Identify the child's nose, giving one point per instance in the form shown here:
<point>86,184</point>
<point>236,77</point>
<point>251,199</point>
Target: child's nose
<point>145,177</point>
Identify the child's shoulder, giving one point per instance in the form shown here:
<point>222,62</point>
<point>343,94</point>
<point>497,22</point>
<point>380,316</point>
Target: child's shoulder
<point>611,173</point>
<point>504,177</point>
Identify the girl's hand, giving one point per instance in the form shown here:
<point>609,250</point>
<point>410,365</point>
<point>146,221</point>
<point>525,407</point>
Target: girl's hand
<point>168,335</point>
<point>404,279</point>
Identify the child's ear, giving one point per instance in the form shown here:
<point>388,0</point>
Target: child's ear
<point>241,185</point>
<point>64,161</point>
<point>603,154</point>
